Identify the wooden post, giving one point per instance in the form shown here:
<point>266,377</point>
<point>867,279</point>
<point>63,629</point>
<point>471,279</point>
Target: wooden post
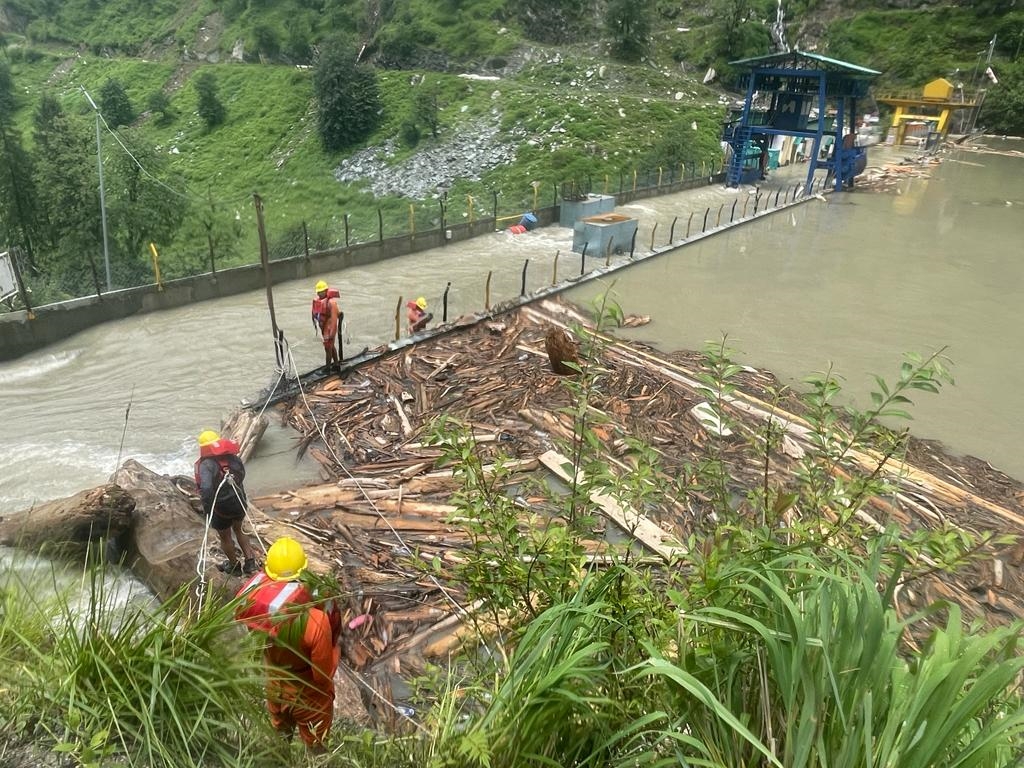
<point>398,319</point>
<point>689,221</point>
<point>265,261</point>
<point>653,230</point>
<point>487,292</point>
<point>554,269</point>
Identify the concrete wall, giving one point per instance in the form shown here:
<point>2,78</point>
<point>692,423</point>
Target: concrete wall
<point>21,333</point>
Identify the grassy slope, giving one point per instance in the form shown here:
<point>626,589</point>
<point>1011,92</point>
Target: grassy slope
<point>575,115</point>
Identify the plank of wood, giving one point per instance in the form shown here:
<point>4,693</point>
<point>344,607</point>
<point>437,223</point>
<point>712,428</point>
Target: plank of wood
<point>632,522</point>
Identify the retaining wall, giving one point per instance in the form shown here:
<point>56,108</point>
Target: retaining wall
<point>22,332</point>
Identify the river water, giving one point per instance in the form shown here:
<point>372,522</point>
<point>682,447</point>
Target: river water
<point>857,280</point>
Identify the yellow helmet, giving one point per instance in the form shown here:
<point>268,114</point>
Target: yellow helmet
<point>285,559</point>
<point>208,437</point>
<point>421,303</point>
<point>321,286</point>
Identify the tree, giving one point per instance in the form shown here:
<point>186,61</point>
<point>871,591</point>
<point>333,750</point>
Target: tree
<point>68,190</point>
<point>265,41</point>
<point>426,108</point>
<point>1004,103</point>
<point>347,97</point>
<point>629,23</point>
<point>210,108</point>
<point>18,222</point>
<point>141,206</point>
<point>159,103</point>
<point>114,104</point>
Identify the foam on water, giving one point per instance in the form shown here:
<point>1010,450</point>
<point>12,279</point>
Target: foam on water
<point>25,371</point>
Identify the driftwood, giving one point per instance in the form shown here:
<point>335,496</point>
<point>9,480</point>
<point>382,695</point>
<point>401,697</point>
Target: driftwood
<point>71,526</point>
<point>245,428</point>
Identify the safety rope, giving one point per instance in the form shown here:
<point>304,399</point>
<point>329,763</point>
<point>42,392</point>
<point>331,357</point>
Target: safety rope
<point>228,478</point>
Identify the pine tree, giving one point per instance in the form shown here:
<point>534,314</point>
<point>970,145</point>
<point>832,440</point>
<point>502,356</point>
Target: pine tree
<point>210,108</point>
<point>114,104</point>
<point>347,97</point>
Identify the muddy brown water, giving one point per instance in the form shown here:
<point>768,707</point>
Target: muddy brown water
<point>857,281</point>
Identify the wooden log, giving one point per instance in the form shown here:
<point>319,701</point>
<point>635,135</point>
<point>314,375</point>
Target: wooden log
<point>632,522</point>
<point>69,527</point>
<point>246,428</point>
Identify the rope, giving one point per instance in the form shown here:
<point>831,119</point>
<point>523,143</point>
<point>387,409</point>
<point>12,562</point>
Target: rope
<point>228,478</point>
<point>366,496</point>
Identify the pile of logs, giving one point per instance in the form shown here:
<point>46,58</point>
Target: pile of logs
<point>384,522</point>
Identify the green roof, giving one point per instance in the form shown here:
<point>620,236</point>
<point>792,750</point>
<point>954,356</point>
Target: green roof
<point>809,61</point>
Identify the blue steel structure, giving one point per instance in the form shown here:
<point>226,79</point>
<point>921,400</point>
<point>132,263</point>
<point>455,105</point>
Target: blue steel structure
<point>795,82</point>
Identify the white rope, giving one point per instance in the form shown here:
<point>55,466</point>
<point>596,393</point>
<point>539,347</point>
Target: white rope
<point>366,496</point>
<point>228,478</point>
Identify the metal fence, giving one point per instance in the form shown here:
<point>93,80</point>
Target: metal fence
<point>343,230</point>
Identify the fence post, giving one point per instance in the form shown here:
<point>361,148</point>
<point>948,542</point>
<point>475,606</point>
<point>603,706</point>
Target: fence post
<point>704,226</point>
<point>732,212</point>
<point>746,199</point>
<point>444,302</point>
<point>583,257</point>
<point>305,239</point>
<point>554,269</point>
<point>398,319</point>
<point>522,290</point>
<point>156,266</point>
<point>605,191</point>
<point>487,292</point>
<point>757,199</point>
<point>608,252</point>
<point>346,230</point>
<point>443,202</point>
<point>412,220</point>
<point>672,230</point>
<point>777,197</point>
<point>689,221</point>
<point>655,229</point>
<point>380,224</point>
<point>494,208</point>
<point>632,245</point>
<point>469,208</point>
<point>634,180</point>
<point>659,175</point>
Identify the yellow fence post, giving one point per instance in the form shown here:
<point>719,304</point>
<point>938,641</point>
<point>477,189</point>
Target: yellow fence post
<point>469,207</point>
<point>156,266</point>
<point>652,234</point>
<point>634,179</point>
<point>606,184</point>
<point>412,219</point>
<point>659,175</point>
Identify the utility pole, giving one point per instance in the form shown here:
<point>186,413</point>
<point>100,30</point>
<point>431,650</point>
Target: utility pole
<point>103,201</point>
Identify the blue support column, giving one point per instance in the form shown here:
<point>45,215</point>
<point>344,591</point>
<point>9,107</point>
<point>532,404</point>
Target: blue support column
<point>817,138</point>
<point>838,164</point>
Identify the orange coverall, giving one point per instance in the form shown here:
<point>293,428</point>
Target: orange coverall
<point>300,686</point>
<point>329,322</point>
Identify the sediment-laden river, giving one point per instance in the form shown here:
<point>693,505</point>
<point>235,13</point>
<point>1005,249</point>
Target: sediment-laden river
<point>858,280</point>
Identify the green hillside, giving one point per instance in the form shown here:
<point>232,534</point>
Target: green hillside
<point>575,91</point>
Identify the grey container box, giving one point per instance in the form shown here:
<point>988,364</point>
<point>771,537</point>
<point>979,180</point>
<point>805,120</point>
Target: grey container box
<point>572,211</point>
<point>604,234</point>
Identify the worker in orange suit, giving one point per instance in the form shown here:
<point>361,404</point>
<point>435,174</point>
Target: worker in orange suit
<point>327,315</point>
<point>301,653</point>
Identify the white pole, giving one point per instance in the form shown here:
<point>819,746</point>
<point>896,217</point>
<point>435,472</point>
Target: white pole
<point>103,201</point>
